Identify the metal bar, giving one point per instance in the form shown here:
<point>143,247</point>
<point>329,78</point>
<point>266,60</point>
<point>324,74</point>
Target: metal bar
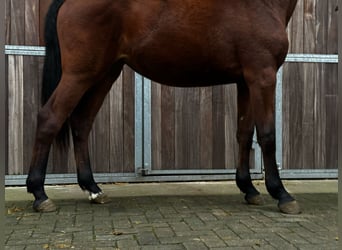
<point>24,50</point>
<point>196,171</point>
<point>3,121</point>
<point>54,179</point>
<point>57,179</point>
<point>279,118</point>
<point>312,58</point>
<point>309,174</point>
<point>147,126</point>
<point>138,153</point>
<point>40,51</point>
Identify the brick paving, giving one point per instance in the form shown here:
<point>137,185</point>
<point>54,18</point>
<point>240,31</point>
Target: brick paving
<point>173,216</point>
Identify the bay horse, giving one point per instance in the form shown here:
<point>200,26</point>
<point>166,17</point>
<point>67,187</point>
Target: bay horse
<point>183,43</point>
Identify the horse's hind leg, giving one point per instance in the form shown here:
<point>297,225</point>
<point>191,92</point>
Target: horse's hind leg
<point>81,123</point>
<point>245,140</point>
<point>50,120</point>
<point>261,83</point>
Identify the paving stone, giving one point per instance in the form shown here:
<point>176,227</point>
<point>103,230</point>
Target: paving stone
<point>164,232</point>
<point>147,238</point>
<point>164,247</point>
<point>212,241</point>
<point>196,244</point>
<point>197,221</point>
<point>127,244</point>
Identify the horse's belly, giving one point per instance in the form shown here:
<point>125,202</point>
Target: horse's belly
<point>184,78</point>
<point>197,71</point>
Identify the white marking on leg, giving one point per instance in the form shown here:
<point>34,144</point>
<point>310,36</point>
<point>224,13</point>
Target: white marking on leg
<point>93,196</point>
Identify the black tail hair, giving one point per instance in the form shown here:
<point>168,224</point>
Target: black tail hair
<point>52,70</point>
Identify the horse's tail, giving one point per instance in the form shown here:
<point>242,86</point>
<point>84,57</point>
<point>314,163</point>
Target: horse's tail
<point>52,70</point>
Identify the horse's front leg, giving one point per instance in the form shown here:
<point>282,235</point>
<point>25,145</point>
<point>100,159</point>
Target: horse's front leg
<point>261,83</point>
<point>245,139</point>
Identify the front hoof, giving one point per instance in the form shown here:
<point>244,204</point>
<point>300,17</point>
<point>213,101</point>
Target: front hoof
<point>291,207</point>
<point>255,199</point>
<point>46,206</point>
<point>99,198</point>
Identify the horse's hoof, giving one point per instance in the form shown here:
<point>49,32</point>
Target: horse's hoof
<point>255,200</point>
<point>100,198</point>
<point>46,206</point>
<point>291,207</point>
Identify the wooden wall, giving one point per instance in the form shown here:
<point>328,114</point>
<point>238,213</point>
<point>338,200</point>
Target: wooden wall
<point>310,89</point>
<point>194,128</point>
<point>112,138</point>
<point>191,129</point>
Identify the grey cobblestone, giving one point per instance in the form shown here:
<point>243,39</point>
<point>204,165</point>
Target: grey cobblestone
<point>197,218</point>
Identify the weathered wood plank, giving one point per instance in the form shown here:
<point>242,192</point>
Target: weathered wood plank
<point>293,113</point>
<point>206,128</point>
<point>156,136</point>
<point>43,8</point>
<point>332,27</point>
<point>100,139</point>
<point>167,131</point>
<point>295,29</point>
<point>181,130</point>
<point>320,118</point>
<point>31,94</point>
<point>331,114</point>
<point>15,114</point>
<point>31,22</point>
<point>128,119</point>
<point>309,79</point>
<point>116,127</point>
<point>17,23</point>
<point>7,21</point>
<point>193,120</point>
<point>308,85</point>
<point>331,142</point>
<point>230,121</point>
<point>218,128</point>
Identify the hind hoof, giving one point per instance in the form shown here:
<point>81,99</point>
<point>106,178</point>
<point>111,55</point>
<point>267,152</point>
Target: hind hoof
<point>255,200</point>
<point>46,206</point>
<point>100,198</point>
<point>291,207</point>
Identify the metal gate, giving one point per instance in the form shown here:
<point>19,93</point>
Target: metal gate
<point>144,145</point>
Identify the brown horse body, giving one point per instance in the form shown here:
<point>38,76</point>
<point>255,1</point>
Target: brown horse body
<point>174,42</point>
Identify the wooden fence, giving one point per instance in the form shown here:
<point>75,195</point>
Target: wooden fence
<point>191,129</point>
